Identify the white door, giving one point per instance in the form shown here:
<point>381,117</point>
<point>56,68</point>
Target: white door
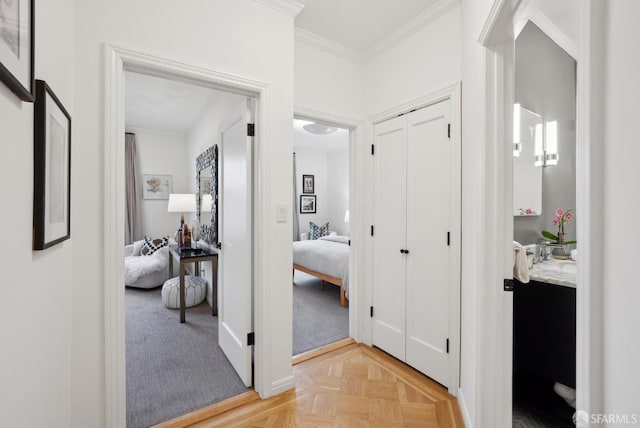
<point>429,191</point>
<point>389,290</point>
<point>411,254</point>
<point>236,234</point>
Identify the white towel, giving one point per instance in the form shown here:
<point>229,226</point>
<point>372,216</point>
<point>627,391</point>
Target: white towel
<point>520,267</point>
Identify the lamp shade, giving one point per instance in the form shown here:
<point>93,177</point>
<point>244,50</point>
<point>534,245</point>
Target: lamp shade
<point>182,203</point>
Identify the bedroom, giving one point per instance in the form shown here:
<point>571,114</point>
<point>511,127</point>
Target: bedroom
<point>320,234</point>
<point>171,125</point>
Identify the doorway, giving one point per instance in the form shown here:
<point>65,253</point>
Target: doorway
<point>544,198</point>
<point>121,62</point>
<point>496,313</point>
<point>321,235</point>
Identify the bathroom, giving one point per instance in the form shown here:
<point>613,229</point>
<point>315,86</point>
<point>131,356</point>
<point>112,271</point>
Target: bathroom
<point>545,248</point>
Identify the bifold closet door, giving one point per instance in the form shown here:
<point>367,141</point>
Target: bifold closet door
<point>429,193</point>
<point>411,253</point>
<point>389,272</point>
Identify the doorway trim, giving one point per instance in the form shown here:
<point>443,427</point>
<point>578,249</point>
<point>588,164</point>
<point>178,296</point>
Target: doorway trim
<point>117,61</point>
<point>356,208</point>
<point>494,397</point>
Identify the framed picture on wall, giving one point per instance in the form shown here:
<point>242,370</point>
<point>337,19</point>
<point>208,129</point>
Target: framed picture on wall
<point>307,184</point>
<point>155,186</point>
<point>307,204</point>
<point>16,47</point>
<point>52,169</point>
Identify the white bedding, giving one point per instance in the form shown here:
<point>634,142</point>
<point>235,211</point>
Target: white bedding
<point>328,255</point>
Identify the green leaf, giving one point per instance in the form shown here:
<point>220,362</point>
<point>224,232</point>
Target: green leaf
<point>571,242</point>
<point>549,235</point>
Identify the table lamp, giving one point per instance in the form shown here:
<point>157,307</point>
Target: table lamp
<point>182,203</point>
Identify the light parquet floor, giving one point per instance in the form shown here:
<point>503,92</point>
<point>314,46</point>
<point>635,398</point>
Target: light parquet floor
<point>356,386</point>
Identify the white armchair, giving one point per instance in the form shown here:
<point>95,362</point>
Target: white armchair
<point>145,271</point>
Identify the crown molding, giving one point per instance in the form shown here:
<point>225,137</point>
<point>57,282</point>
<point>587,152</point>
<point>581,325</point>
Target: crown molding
<point>554,33</point>
<point>288,7</point>
<point>318,42</point>
<point>419,22</point>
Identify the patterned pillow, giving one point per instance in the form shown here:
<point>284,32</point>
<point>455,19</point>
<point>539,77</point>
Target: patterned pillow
<point>316,231</point>
<point>151,246</point>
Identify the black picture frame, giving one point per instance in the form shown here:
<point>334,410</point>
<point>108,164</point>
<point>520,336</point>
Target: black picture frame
<point>51,169</point>
<point>17,48</point>
<point>308,183</point>
<point>307,204</point>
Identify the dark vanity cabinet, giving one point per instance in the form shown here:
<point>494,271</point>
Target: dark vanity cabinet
<point>544,331</point>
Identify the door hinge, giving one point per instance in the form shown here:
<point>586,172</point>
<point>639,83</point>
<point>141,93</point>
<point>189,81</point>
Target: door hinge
<point>508,284</point>
<point>251,339</point>
<point>448,238</point>
<point>449,130</point>
<point>251,130</point>
<point>371,311</point>
<point>447,346</point>
<point>371,230</point>
<point>373,149</point>
<point>349,242</point>
<point>219,245</point>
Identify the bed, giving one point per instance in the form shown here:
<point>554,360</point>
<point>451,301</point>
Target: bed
<point>326,258</point>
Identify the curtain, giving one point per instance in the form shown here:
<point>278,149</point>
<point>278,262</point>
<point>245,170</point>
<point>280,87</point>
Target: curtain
<point>132,191</point>
<point>296,219</point>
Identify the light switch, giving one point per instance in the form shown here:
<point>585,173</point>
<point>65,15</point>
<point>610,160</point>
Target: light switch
<point>282,213</point>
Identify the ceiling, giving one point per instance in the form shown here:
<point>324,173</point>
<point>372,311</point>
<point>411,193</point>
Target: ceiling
<point>167,105</point>
<point>303,140</point>
<point>358,24</point>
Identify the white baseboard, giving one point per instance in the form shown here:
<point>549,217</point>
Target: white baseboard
<point>282,385</point>
<point>464,409</point>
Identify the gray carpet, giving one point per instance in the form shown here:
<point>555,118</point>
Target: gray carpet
<point>318,318</point>
<point>172,368</point>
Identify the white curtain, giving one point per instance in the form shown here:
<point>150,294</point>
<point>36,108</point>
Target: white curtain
<point>296,219</point>
<point>132,185</point>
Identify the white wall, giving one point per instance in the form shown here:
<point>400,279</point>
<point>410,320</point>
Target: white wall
<point>423,63</point>
<point>161,153</point>
<point>328,83</point>
<point>621,228</point>
<point>201,38</point>
<point>35,321</point>
<point>204,133</point>
<point>474,14</point>
<point>338,189</point>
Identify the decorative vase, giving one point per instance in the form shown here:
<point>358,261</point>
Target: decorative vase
<point>560,240</point>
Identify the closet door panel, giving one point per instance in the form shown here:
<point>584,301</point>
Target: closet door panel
<point>428,221</point>
<point>390,177</point>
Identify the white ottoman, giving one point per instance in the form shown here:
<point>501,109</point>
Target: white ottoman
<point>195,290</point>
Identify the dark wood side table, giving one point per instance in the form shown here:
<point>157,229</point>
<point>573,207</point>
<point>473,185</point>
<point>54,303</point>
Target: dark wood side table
<point>184,257</point>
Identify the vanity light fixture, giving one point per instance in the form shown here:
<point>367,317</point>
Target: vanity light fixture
<point>546,150</point>
<point>517,143</point>
<point>551,143</point>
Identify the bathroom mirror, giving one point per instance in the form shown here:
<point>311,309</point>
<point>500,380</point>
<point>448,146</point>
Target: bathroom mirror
<point>527,178</point>
<point>207,194</point>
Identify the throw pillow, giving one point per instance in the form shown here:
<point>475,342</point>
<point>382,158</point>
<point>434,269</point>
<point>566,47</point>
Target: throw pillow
<point>316,231</point>
<point>151,246</point>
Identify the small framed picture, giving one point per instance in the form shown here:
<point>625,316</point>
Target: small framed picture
<point>16,47</point>
<point>155,186</point>
<point>307,204</point>
<point>52,169</point>
<point>307,184</point>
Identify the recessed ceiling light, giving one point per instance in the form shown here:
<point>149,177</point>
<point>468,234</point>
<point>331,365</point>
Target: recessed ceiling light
<point>319,129</point>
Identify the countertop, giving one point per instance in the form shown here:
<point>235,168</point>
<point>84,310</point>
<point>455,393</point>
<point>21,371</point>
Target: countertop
<point>553,271</point>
